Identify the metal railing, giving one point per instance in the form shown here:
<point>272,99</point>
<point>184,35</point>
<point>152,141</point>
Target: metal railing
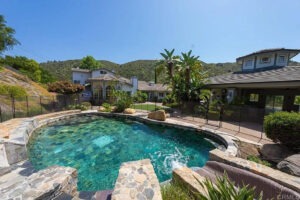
<point>28,106</point>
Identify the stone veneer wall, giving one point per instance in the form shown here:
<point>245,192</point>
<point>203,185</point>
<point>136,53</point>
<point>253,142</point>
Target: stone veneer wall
<point>137,180</point>
<point>16,133</point>
<point>45,184</point>
<point>282,178</point>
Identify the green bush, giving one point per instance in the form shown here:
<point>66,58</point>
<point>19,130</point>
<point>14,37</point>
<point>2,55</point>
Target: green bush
<point>258,160</point>
<point>12,90</point>
<point>169,99</point>
<point>140,97</point>
<point>284,127</point>
<point>77,106</point>
<point>86,104</point>
<point>122,100</point>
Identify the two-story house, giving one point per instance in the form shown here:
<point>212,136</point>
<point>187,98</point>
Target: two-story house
<point>266,80</point>
<point>101,82</point>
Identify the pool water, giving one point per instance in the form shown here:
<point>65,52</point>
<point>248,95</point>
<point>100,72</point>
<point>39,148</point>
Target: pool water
<point>96,146</point>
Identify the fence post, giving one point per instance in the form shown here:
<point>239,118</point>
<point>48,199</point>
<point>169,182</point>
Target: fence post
<point>41,104</point>
<point>27,106</point>
<point>221,115</point>
<point>53,104</point>
<point>240,115</point>
<point>262,128</point>
<point>65,101</point>
<point>13,106</point>
<point>1,114</point>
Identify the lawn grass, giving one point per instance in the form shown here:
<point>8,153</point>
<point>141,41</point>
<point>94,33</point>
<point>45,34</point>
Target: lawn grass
<point>148,107</point>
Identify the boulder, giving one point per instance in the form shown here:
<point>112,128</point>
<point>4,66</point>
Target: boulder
<point>129,111</point>
<point>159,115</point>
<point>113,108</point>
<point>274,152</point>
<point>290,165</point>
<point>101,109</point>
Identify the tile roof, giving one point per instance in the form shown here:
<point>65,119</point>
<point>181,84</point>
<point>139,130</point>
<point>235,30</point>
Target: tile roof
<point>283,74</point>
<point>269,51</point>
<point>146,86</point>
<point>111,77</point>
<point>80,70</point>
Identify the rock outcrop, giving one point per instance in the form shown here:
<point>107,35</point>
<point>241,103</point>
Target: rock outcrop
<point>290,165</point>
<point>129,111</point>
<point>274,152</point>
<point>158,115</point>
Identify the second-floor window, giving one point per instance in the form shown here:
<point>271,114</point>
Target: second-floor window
<point>248,63</point>
<point>265,60</point>
<point>281,59</point>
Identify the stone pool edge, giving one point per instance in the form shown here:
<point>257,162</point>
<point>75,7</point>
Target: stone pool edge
<point>19,130</point>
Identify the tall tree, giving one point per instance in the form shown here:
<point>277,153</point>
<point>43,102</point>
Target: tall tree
<point>187,61</point>
<point>89,62</point>
<point>7,40</point>
<point>168,63</point>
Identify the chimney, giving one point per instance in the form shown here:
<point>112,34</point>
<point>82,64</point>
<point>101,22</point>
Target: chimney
<point>134,82</point>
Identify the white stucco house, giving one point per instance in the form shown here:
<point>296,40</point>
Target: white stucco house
<point>100,83</point>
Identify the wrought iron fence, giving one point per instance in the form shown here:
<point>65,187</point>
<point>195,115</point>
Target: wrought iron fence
<point>28,106</point>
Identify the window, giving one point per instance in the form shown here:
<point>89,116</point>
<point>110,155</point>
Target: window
<point>297,100</point>
<point>254,98</point>
<point>265,60</point>
<point>248,63</point>
<point>281,59</point>
<point>273,103</point>
<point>102,72</point>
<point>77,81</point>
<point>161,94</point>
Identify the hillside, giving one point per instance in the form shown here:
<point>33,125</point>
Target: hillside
<point>143,69</point>
<point>12,77</point>
<point>34,90</point>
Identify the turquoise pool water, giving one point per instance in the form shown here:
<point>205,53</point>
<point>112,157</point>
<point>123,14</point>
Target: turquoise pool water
<point>96,146</point>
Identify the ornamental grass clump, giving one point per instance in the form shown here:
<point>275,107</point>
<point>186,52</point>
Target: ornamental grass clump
<point>284,127</point>
<point>224,189</point>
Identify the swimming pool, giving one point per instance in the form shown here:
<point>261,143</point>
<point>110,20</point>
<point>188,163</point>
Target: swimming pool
<point>96,146</point>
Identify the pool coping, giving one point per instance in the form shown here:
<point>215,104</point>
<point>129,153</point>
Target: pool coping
<point>14,150</point>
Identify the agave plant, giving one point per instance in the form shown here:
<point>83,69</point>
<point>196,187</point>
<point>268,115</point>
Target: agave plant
<point>224,189</point>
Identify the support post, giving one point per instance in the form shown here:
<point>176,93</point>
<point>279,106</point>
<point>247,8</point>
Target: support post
<point>41,104</point>
<point>27,106</point>
<point>13,106</point>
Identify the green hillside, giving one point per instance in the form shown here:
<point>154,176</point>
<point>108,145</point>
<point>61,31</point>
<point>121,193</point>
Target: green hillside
<point>143,69</point>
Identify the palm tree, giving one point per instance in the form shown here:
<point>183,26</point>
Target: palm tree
<point>167,63</point>
<point>187,61</point>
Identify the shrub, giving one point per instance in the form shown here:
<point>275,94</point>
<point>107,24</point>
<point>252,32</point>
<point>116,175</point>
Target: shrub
<point>65,87</point>
<point>284,127</point>
<point>122,99</point>
<point>225,189</point>
<point>86,104</point>
<point>12,90</point>
<point>258,160</point>
<point>140,97</point>
<point>169,99</point>
<point>77,106</point>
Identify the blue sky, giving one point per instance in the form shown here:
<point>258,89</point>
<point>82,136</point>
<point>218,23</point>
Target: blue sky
<point>127,30</point>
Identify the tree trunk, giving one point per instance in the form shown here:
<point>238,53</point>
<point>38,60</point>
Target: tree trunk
<point>187,81</point>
